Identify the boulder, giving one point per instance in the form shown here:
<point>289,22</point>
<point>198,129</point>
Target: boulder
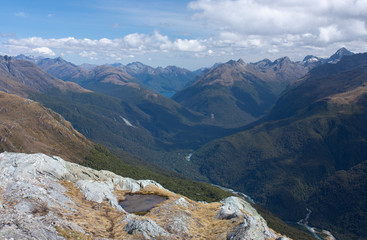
<point>147,228</point>
<point>251,229</point>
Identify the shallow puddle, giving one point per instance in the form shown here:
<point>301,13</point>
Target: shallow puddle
<point>141,202</point>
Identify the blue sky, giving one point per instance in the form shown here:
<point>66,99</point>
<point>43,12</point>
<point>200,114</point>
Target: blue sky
<point>189,34</point>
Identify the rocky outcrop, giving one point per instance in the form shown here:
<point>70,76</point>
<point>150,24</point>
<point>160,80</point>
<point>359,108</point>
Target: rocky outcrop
<point>146,228</point>
<point>44,197</point>
<point>253,225</point>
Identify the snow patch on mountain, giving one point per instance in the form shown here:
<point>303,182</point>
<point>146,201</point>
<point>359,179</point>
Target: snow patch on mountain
<point>127,122</point>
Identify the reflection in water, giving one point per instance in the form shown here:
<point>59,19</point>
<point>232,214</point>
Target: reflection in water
<point>141,202</point>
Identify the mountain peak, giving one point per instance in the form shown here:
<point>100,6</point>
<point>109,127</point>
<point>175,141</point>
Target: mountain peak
<point>282,60</point>
<point>310,59</point>
<point>343,51</point>
<point>339,54</point>
<point>235,63</point>
<point>241,61</point>
<point>59,60</point>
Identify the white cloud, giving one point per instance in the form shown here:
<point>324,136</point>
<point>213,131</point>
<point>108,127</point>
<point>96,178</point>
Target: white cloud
<point>222,29</point>
<point>329,33</point>
<point>189,45</point>
<point>281,24</point>
<point>19,14</point>
<point>128,46</point>
<point>89,54</point>
<point>43,51</point>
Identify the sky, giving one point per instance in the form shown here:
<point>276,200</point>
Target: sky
<point>190,34</point>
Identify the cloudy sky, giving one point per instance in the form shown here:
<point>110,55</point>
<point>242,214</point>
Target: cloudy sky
<point>185,33</point>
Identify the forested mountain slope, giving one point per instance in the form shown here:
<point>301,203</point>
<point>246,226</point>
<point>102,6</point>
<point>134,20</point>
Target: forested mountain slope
<point>315,134</point>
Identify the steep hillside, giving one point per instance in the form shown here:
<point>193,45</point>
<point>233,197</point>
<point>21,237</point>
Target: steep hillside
<point>27,126</point>
<point>346,216</point>
<point>137,121</point>
<point>316,129</point>
<point>144,119</point>
<point>235,93</point>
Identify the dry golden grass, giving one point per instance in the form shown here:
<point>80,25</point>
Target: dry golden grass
<point>103,221</point>
<point>349,96</point>
<point>98,220</point>
<point>26,126</point>
<point>72,235</point>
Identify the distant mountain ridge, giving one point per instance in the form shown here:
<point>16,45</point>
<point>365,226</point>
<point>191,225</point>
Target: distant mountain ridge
<point>236,93</point>
<point>15,77</point>
<point>171,79</point>
<point>166,81</point>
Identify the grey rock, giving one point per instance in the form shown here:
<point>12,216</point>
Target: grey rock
<point>183,202</point>
<point>24,226</point>
<point>12,232</point>
<point>178,225</point>
<point>24,206</point>
<point>251,229</point>
<point>228,212</point>
<point>253,226</point>
<point>33,201</point>
<point>145,183</point>
<point>25,174</point>
<point>146,228</point>
<point>234,207</point>
<point>98,192</point>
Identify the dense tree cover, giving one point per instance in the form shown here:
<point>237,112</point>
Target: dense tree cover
<point>159,128</point>
<point>339,204</point>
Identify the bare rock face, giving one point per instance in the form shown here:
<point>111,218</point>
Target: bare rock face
<point>250,229</point>
<point>146,228</point>
<point>44,197</point>
<point>253,225</point>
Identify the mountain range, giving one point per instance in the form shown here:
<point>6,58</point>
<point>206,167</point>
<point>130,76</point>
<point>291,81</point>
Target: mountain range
<point>27,126</point>
<point>235,93</point>
<point>312,143</point>
<point>121,114</point>
<point>289,134</point>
